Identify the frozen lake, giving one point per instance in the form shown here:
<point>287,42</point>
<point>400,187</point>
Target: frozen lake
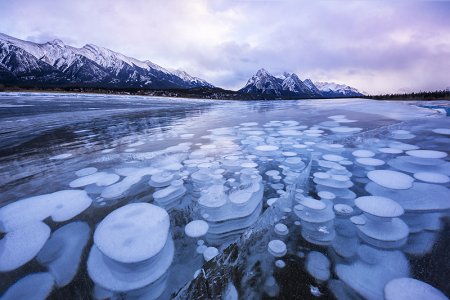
<point>155,198</point>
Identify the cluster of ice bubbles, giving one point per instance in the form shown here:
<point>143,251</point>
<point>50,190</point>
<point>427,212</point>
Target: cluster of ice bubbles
<point>223,182</point>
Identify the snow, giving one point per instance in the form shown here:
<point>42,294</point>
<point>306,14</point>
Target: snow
<point>21,245</point>
<point>391,179</point>
<point>133,233</point>
<point>196,228</point>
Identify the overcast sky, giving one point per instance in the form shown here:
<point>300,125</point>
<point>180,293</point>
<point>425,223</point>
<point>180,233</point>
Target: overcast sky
<point>375,46</point>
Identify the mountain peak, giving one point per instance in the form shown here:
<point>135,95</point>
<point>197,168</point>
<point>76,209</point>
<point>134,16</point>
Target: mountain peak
<point>57,42</point>
<point>263,72</point>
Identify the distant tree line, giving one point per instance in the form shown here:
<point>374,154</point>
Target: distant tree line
<point>436,95</point>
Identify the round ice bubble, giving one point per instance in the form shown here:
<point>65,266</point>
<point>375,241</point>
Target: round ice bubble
<point>391,179</point>
<point>343,209</point>
<point>370,162</point>
<point>196,228</point>
<point>133,233</point>
<point>267,148</point>
<point>426,153</point>
<point>432,177</point>
<point>326,195</point>
<point>210,253</point>
<point>379,206</point>
<point>86,171</point>
<point>33,286</point>
<point>444,131</point>
<point>277,248</point>
<point>281,229</point>
<point>21,245</point>
<point>280,264</point>
<point>332,157</point>
<point>409,288</point>
<point>318,266</point>
<point>363,153</point>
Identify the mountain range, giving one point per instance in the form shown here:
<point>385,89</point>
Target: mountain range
<point>55,64</point>
<point>289,85</point>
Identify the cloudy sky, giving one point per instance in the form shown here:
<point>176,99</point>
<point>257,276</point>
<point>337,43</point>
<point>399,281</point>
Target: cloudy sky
<point>376,46</point>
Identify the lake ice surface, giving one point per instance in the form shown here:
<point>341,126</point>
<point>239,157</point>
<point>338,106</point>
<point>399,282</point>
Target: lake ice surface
<point>154,198</point>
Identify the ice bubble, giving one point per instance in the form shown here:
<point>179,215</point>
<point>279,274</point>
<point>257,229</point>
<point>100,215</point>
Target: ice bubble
<point>281,229</point>
<point>391,179</point>
<point>201,248</point>
<point>168,195</point>
<point>326,195</point>
<point>196,228</point>
<point>99,178</point>
<point>333,157</point>
<point>358,220</point>
<point>21,245</point>
<point>426,153</point>
<point>421,197</point>
<point>370,162</point>
<point>61,156</point>
<point>444,131</point>
<point>277,248</point>
<point>345,129</point>
<point>271,201</point>
<point>402,146</point>
<point>61,206</point>
<point>249,165</point>
<point>161,179</point>
<point>369,278</point>
<point>119,277</point>
<point>186,135</point>
<point>379,206</point>
<point>409,288</point>
<point>432,177</point>
<point>213,197</point>
<point>140,231</point>
<point>363,153</point>
<point>390,150</point>
<point>210,253</point>
<point>62,253</point>
<point>266,148</point>
<point>402,134</point>
<point>86,171</point>
<point>118,189</point>
<point>280,264</point>
<point>35,286</point>
<point>343,209</point>
<point>249,124</point>
<point>318,266</point>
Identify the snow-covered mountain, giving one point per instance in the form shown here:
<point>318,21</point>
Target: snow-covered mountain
<point>289,85</point>
<point>55,63</point>
<point>331,89</point>
<point>263,83</point>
